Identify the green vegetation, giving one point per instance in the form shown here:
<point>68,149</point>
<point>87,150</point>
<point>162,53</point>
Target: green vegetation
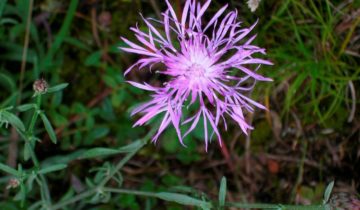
<point>73,145</point>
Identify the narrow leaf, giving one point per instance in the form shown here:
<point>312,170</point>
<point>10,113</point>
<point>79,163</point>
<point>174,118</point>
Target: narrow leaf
<point>93,59</point>
<point>25,107</point>
<point>182,199</point>
<point>222,192</point>
<point>49,129</point>
<point>13,120</point>
<point>52,168</point>
<point>64,31</point>
<point>328,191</point>
<point>99,152</point>
<point>131,147</point>
<point>57,88</point>
<point>8,169</point>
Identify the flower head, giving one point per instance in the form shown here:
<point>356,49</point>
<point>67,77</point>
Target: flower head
<point>40,86</point>
<point>207,66</point>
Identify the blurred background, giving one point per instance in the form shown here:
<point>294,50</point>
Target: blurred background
<point>309,137</point>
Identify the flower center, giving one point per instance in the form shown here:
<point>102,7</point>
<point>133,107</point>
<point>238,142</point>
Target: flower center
<point>195,70</point>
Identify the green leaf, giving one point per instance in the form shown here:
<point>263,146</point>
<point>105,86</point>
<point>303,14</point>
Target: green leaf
<point>22,7</point>
<point>2,6</point>
<point>131,147</point>
<point>328,192</point>
<point>222,192</point>
<point>182,199</point>
<point>57,88</point>
<point>7,82</point>
<point>49,129</point>
<point>10,21</point>
<point>62,159</point>
<point>8,169</point>
<point>27,151</point>
<point>52,168</point>
<point>13,120</point>
<point>99,152</point>
<point>25,107</point>
<point>110,81</point>
<point>93,59</point>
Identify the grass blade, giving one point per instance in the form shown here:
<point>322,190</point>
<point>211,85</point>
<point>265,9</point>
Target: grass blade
<point>64,30</point>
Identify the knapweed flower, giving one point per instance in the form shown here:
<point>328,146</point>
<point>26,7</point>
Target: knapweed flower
<point>207,66</point>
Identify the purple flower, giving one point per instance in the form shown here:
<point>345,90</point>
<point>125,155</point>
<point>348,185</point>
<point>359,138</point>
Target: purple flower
<point>208,69</point>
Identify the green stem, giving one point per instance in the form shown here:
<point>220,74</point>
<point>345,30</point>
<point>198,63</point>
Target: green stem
<point>32,155</point>
<point>45,189</point>
<point>35,115</point>
<point>30,146</point>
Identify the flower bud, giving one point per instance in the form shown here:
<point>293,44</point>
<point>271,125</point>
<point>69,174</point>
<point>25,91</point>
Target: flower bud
<point>40,86</point>
<point>13,183</point>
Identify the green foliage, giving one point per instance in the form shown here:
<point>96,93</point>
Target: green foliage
<point>311,60</point>
<point>75,139</point>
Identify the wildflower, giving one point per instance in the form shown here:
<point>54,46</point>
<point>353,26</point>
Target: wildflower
<point>207,66</point>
